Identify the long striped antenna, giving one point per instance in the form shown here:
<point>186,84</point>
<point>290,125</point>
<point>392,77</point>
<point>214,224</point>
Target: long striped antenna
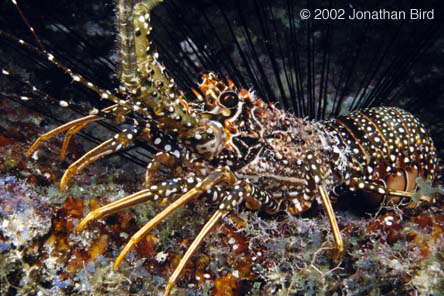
<point>29,26</point>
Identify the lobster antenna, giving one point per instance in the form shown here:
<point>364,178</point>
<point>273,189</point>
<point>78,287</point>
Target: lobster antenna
<point>23,99</point>
<point>137,156</point>
<point>104,93</point>
<point>78,40</point>
<point>42,47</point>
<point>29,26</point>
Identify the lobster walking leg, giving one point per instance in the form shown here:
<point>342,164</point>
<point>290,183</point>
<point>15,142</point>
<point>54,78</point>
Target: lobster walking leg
<point>153,171</point>
<point>67,126</point>
<point>313,166</point>
<point>376,188</point>
<point>73,127</point>
<point>161,191</point>
<point>222,175</point>
<point>193,247</point>
<point>114,207</point>
<point>157,190</point>
<point>119,117</point>
<point>333,223</point>
<point>108,147</point>
<point>71,132</point>
<point>229,199</point>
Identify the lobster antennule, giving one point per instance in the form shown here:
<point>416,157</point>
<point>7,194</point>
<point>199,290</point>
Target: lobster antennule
<point>76,78</point>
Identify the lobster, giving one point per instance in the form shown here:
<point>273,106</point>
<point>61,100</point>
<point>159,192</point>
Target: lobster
<point>231,148</point>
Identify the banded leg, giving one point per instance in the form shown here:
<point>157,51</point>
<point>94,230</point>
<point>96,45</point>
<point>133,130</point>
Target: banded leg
<point>239,191</point>
<point>119,141</point>
<point>370,186</point>
<point>119,117</point>
<point>221,175</point>
<point>193,247</point>
<point>155,192</point>
<point>71,132</point>
<point>314,168</point>
<point>73,127</point>
<point>81,122</point>
<point>228,200</point>
<point>333,223</point>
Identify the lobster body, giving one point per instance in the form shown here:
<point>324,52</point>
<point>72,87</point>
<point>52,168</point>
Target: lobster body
<point>372,149</point>
<point>287,157</point>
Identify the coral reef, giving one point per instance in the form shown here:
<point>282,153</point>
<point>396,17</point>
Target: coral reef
<point>389,251</point>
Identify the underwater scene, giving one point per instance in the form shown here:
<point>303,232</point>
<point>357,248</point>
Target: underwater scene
<point>208,147</point>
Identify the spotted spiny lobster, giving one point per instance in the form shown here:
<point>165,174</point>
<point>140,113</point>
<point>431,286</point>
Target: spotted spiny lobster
<point>230,147</point>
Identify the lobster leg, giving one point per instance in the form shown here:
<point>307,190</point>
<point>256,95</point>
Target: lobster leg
<point>114,207</point>
<point>108,147</point>
<point>395,195</point>
<point>72,128</point>
<point>313,166</point>
<point>333,223</point>
<point>71,132</point>
<point>229,199</point>
<point>220,175</point>
<point>155,192</point>
<point>367,186</point>
<point>118,112</point>
<point>193,247</point>
<point>67,126</point>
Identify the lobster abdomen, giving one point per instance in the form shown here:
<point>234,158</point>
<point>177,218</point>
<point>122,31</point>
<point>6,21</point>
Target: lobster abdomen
<point>387,146</point>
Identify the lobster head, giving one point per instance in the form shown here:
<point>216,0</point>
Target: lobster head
<point>230,115</point>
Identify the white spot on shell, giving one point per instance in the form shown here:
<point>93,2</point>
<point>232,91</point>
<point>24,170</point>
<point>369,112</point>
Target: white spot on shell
<point>63,104</point>
<point>176,153</point>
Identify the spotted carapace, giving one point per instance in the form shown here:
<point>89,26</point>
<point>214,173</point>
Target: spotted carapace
<point>228,147</point>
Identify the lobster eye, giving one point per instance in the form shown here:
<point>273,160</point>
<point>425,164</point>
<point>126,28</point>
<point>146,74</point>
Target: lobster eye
<point>228,99</point>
